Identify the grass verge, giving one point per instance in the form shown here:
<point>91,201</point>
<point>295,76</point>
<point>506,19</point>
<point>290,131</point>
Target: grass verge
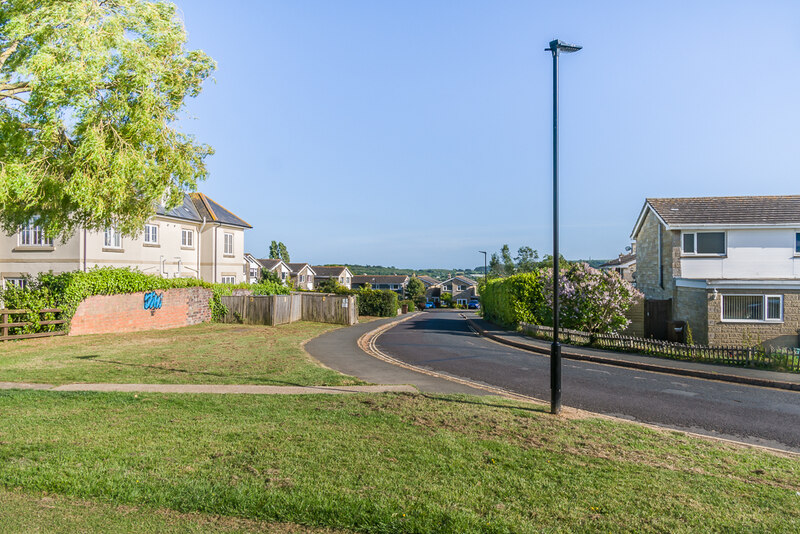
<point>389,463</point>
<point>202,354</point>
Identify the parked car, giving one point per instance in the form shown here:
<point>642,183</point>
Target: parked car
<point>430,304</point>
<point>474,304</point>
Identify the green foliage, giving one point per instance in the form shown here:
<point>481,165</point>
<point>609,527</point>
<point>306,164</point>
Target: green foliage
<point>67,290</point>
<point>89,96</point>
<point>377,303</point>
<point>420,301</point>
<point>415,288</point>
<point>269,276</point>
<point>278,251</point>
<point>446,299</point>
<point>331,285</point>
<point>508,263</point>
<point>509,301</point>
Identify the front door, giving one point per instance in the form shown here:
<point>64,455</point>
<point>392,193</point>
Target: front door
<point>656,315</point>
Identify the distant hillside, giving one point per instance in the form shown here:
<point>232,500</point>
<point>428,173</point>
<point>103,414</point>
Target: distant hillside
<point>439,274</point>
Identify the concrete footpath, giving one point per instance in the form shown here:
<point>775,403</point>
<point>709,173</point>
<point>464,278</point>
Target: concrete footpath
<point>738,375</point>
<point>247,389</point>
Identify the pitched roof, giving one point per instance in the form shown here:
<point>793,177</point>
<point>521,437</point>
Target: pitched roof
<point>468,281</point>
<point>328,271</point>
<point>269,263</point>
<point>427,280</point>
<point>623,259</point>
<point>214,212</point>
<point>297,267</point>
<point>184,210</point>
<point>380,279</point>
<point>728,210</point>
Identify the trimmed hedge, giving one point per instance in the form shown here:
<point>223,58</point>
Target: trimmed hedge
<point>67,290</point>
<point>378,303</point>
<point>513,300</point>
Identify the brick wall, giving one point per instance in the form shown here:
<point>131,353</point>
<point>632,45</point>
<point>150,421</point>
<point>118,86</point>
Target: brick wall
<point>103,314</point>
<point>783,334</point>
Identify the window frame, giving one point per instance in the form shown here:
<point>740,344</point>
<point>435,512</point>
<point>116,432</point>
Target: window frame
<point>112,238</point>
<point>765,306</point>
<point>35,236</point>
<point>153,229</point>
<point>15,281</point>
<point>231,279</point>
<point>227,238</point>
<point>187,243</point>
<point>694,242</point>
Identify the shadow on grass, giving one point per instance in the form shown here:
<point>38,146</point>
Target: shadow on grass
<point>465,400</point>
<point>252,379</point>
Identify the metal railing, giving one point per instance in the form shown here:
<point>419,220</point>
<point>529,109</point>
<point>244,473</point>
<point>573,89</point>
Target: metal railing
<point>778,358</point>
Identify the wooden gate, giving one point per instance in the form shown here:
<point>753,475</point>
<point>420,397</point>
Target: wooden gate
<point>657,313</point>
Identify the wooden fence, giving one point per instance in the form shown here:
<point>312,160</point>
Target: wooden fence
<point>9,320</point>
<point>780,358</point>
<point>283,309</point>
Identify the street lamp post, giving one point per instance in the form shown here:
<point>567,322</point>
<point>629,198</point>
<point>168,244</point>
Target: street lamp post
<point>556,47</point>
<point>485,278</point>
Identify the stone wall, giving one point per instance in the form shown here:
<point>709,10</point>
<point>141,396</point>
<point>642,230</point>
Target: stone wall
<point>691,305</point>
<point>103,314</point>
<point>647,260</point>
<point>783,334</point>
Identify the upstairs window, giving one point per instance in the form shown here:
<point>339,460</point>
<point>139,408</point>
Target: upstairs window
<point>112,238</point>
<point>187,238</point>
<point>704,243</point>
<point>151,234</point>
<point>797,243</point>
<point>228,244</point>
<point>32,235</point>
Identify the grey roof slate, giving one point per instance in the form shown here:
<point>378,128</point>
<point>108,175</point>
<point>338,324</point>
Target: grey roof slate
<point>195,206</point>
<point>380,279</point>
<point>728,210</point>
<point>624,258</point>
<point>327,271</point>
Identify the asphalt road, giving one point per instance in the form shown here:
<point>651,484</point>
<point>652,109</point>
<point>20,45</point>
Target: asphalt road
<point>443,342</point>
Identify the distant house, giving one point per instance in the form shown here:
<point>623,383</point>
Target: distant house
<point>625,265</point>
<point>196,239</point>
<point>460,287</point>
<point>729,266</point>
<point>302,275</point>
<point>254,268</point>
<point>342,275</point>
<point>393,282</point>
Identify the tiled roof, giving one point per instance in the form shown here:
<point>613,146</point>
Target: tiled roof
<point>624,258</point>
<point>213,212</point>
<point>728,210</point>
<point>297,267</point>
<point>468,281</point>
<point>328,271</point>
<point>427,280</point>
<point>269,263</point>
<point>380,279</point>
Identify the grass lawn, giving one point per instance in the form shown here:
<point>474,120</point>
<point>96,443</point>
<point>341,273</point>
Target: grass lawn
<point>202,354</point>
<point>384,463</point>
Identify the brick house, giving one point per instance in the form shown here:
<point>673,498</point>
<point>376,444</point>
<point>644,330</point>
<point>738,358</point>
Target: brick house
<point>392,282</point>
<point>728,266</point>
<point>197,239</point>
<point>302,275</point>
<point>461,288</point>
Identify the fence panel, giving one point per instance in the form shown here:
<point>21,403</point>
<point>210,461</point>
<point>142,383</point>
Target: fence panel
<point>281,309</point>
<point>7,324</point>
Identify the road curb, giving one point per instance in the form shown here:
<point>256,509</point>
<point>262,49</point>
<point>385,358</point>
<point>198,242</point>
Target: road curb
<point>695,373</point>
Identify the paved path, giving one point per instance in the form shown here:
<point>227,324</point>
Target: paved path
<point>339,350</point>
<point>248,389</point>
<point>442,341</point>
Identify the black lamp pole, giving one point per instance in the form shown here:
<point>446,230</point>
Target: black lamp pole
<point>556,47</point>
<point>485,278</point>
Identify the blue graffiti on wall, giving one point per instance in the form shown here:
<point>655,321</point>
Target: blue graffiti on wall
<point>152,301</point>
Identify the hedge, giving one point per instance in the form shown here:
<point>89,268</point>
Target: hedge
<point>378,303</point>
<point>67,290</point>
<point>513,300</point>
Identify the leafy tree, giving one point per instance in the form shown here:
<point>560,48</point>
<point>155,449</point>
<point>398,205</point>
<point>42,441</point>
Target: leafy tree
<point>447,299</point>
<point>278,251</point>
<point>415,288</point>
<point>527,259</point>
<point>495,267</point>
<point>508,262</point>
<point>331,285</point>
<point>270,276</point>
<point>89,92</point>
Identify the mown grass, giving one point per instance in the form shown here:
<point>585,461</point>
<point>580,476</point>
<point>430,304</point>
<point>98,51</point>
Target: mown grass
<point>202,354</point>
<point>389,463</point>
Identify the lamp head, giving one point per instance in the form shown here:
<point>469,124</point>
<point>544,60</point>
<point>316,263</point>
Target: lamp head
<point>558,45</point>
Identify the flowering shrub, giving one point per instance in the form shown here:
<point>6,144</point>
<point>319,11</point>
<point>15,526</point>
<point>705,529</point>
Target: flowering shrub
<point>590,300</point>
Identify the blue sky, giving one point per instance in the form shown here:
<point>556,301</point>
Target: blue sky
<point>416,133</point>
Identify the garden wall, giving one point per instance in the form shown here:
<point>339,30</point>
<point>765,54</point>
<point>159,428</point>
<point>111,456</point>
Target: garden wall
<point>103,314</point>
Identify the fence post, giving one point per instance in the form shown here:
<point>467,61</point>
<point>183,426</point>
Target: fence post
<point>4,313</point>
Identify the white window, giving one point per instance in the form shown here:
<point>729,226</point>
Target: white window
<point>374,286</point>
<point>752,308</point>
<point>704,243</point>
<point>151,234</point>
<point>21,283</point>
<point>341,279</point>
<point>461,288</point>
<point>797,243</point>
<point>461,302</point>
<point>228,244</point>
<point>302,278</point>
<point>283,275</point>
<point>187,238</point>
<point>228,279</point>
<point>112,238</point>
<point>32,235</point>
<point>253,272</point>
<point>446,288</point>
<point>395,286</point>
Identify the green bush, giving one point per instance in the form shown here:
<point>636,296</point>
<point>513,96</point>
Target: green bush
<point>378,303</point>
<point>67,290</point>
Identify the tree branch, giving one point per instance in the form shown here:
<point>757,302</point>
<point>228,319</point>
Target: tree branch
<point>7,53</point>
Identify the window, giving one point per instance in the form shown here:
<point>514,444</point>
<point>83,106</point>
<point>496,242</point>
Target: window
<point>302,278</point>
<point>187,238</point>
<point>461,302</point>
<point>712,243</point>
<point>112,238</point>
<point>752,308</point>
<point>21,283</point>
<point>395,286</point>
<point>341,279</point>
<point>228,244</point>
<point>253,272</point>
<point>461,288</point>
<point>446,288</point>
<point>151,234</point>
<point>228,279</point>
<point>33,235</point>
<point>283,275</point>
<point>797,243</point>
